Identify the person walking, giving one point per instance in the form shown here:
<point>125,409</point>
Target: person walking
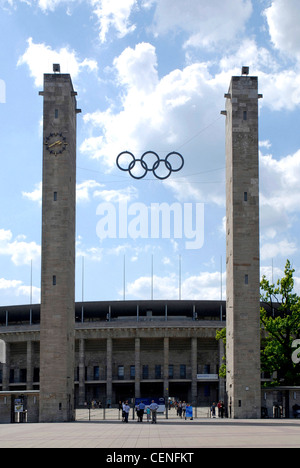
<point>141,411</point>
<point>148,412</point>
<point>213,410</point>
<point>183,407</point>
<point>126,409</point>
<point>153,408</point>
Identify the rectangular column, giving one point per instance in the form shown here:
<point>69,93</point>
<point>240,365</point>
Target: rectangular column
<point>137,368</point>
<point>81,372</point>
<point>242,231</point>
<point>29,365</point>
<point>109,351</point>
<point>57,336</point>
<point>194,351</point>
<point>166,367</point>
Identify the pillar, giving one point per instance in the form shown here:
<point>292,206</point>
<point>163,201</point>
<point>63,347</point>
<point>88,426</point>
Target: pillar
<point>242,245</point>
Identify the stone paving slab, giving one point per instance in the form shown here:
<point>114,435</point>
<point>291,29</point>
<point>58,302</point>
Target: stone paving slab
<point>179,435</point>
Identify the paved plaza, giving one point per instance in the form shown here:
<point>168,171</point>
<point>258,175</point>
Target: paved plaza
<point>181,434</point>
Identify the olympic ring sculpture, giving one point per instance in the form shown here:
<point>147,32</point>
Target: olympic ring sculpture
<point>143,167</point>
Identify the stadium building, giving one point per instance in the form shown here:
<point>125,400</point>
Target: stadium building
<point>125,350</point>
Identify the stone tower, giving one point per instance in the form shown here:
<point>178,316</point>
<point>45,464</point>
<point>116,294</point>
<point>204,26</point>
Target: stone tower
<point>242,230</point>
<point>58,249</point>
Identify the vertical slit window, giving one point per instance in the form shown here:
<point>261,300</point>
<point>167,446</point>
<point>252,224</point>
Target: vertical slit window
<point>55,196</point>
<point>246,279</point>
<point>54,281</point>
<point>56,113</point>
<point>245,115</point>
<point>245,196</point>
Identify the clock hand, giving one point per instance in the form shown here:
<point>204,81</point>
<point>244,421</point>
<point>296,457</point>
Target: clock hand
<point>56,143</point>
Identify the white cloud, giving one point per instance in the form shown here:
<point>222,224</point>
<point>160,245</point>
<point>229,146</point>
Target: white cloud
<point>94,254</point>
<point>84,188</point>
<point>83,191</point>
<point>40,59</point>
<point>276,177</point>
<point>176,112</point>
<point>207,23</point>
<point>283,17</point>
<point>280,204</point>
<point>44,5</point>
<point>9,284</point>
<point>205,286</point>
<point>51,5</point>
<point>114,14</point>
<point>17,288</point>
<point>21,252</point>
<point>35,195</point>
<point>137,68</point>
<point>164,288</point>
<point>283,249</point>
<point>116,196</point>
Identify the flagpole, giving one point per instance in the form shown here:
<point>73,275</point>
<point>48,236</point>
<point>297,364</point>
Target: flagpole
<point>180,277</point>
<point>30,313</point>
<point>221,296</point>
<point>152,281</point>
<point>82,291</point>
<point>124,278</point>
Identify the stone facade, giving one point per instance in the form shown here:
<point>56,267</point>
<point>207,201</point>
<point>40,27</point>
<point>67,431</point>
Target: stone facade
<point>58,250</point>
<point>243,275</point>
<point>125,356</point>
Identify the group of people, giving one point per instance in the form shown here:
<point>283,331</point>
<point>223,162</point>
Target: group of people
<point>220,407</point>
<point>151,411</point>
<point>180,408</point>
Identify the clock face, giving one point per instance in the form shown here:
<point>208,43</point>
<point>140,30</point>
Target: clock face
<point>56,143</point>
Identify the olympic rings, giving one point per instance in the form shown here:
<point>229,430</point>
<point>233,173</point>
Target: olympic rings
<point>142,167</point>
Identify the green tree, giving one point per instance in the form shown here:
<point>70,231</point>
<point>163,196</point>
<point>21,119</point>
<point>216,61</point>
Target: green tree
<point>221,335</point>
<point>280,327</point>
<point>280,324</point>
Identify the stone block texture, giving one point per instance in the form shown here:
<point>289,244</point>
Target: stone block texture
<point>58,250</point>
<point>242,256</point>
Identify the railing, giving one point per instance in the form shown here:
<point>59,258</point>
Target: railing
<point>114,414</point>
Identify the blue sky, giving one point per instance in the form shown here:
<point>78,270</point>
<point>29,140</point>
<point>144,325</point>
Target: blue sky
<point>150,75</point>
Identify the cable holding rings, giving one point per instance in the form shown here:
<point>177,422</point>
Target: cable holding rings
<point>138,168</point>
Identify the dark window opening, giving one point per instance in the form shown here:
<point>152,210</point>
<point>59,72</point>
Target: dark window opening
<point>54,280</point>
<point>158,371</point>
<point>246,279</point>
<point>145,372</point>
<point>56,113</point>
<point>182,371</point>
<point>96,373</point>
<point>245,196</point>
<point>121,372</point>
<point>55,196</point>
<point>245,116</point>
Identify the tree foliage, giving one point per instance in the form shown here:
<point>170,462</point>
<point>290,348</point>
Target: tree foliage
<point>280,327</point>
<point>280,324</point>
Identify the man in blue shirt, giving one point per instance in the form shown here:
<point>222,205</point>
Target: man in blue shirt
<point>153,407</point>
<point>140,411</point>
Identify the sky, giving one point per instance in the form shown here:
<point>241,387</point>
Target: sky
<point>151,76</point>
